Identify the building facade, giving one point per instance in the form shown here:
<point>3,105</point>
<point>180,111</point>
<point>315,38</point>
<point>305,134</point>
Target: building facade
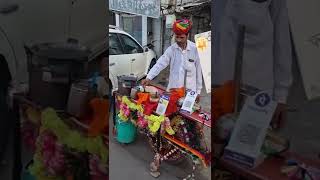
<point>154,30</point>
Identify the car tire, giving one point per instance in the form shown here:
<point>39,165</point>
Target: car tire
<point>152,63</point>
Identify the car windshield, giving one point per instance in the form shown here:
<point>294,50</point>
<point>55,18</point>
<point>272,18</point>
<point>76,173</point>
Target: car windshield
<point>130,46</point>
<point>115,45</point>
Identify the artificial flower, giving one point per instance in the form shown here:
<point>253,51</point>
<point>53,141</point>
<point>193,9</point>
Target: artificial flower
<point>142,122</point>
<point>154,122</point>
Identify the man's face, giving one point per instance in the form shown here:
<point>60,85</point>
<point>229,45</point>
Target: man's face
<point>181,38</point>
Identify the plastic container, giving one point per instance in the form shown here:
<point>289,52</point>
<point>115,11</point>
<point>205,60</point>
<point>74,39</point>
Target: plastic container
<point>126,131</point>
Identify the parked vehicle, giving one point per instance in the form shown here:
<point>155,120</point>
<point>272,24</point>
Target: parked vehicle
<point>127,56</point>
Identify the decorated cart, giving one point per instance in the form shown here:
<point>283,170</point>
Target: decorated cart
<point>172,132</point>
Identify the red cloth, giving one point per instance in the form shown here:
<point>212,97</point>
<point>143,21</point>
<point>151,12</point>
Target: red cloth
<point>149,107</point>
<point>176,94</point>
<point>223,100</point>
<point>143,97</point>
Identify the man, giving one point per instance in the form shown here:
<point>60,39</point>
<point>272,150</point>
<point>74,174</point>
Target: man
<point>267,52</point>
<point>185,69</point>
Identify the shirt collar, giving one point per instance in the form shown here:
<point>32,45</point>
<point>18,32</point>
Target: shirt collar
<point>188,46</point>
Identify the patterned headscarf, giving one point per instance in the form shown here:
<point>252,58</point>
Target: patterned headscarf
<point>182,26</point>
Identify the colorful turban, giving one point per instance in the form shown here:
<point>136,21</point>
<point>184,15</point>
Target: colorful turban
<point>182,26</point>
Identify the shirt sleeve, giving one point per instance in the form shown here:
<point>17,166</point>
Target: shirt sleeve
<point>199,73</point>
<point>282,50</point>
<point>162,63</point>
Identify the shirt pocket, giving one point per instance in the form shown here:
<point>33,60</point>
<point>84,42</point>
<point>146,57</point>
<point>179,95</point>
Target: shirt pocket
<point>190,66</point>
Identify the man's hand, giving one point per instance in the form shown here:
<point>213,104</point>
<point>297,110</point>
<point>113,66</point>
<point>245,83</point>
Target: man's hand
<point>279,116</point>
<point>145,82</point>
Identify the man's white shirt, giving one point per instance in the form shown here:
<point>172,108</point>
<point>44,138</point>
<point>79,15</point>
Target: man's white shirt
<point>267,52</point>
<point>184,65</point>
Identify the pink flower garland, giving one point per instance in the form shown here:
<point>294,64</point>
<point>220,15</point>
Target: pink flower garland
<point>142,122</point>
<point>52,154</point>
<point>125,109</point>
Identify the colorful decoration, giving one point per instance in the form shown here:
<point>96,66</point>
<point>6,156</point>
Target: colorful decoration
<point>58,149</point>
<point>52,154</point>
<point>73,139</point>
<point>124,112</point>
<point>139,118</point>
<point>180,128</point>
<point>182,136</point>
<point>143,97</point>
<point>169,154</point>
<point>131,105</point>
<point>175,123</point>
<point>166,127</point>
<point>175,95</point>
<point>149,107</point>
<point>42,168</point>
<point>142,122</point>
<point>134,117</point>
<point>38,169</point>
<point>185,135</point>
<point>154,122</point>
<point>125,106</point>
<point>190,135</point>
<point>182,26</point>
<point>188,148</point>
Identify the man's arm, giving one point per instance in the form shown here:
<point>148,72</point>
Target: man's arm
<point>199,74</point>
<point>282,50</point>
<point>282,60</point>
<point>162,63</point>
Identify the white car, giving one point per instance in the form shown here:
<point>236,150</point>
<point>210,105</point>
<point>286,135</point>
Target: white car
<point>127,56</point>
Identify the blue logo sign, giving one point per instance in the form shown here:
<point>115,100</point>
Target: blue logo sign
<point>262,100</point>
